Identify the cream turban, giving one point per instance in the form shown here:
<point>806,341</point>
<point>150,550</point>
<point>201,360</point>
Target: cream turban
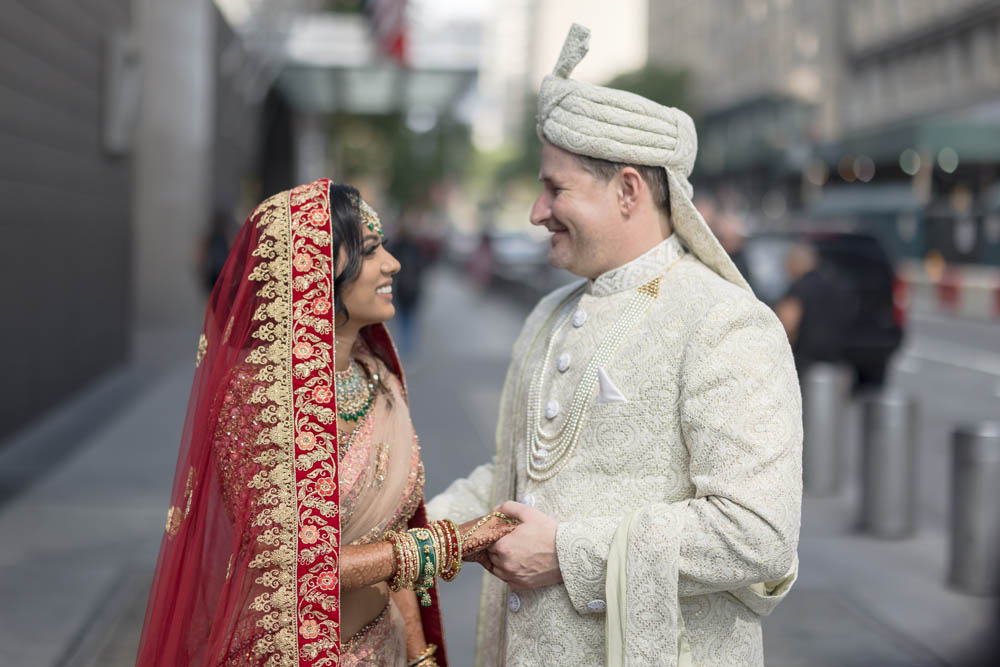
<point>619,126</point>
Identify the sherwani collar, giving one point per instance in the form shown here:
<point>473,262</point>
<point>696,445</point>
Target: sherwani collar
<point>640,270</point>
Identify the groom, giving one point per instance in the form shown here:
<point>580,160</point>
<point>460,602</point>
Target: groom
<point>650,424</point>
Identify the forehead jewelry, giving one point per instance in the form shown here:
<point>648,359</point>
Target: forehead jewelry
<point>369,218</point>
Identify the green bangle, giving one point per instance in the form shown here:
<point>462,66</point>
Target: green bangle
<point>428,564</point>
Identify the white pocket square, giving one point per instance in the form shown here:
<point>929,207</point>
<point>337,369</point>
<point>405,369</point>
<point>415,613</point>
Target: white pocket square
<point>609,392</point>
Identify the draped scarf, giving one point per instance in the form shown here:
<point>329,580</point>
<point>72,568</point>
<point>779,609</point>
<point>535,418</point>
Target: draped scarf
<point>249,565</point>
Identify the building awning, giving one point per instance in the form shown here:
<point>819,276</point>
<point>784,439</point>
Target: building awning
<point>333,66</point>
<point>974,137</point>
<point>869,199</point>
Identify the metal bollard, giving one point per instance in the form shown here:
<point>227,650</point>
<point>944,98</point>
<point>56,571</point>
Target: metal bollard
<point>888,471</point>
<point>975,509</point>
<point>824,402</point>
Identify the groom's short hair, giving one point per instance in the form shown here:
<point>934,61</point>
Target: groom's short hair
<point>655,177</point>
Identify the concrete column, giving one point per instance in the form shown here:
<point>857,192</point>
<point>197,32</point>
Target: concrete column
<point>172,201</point>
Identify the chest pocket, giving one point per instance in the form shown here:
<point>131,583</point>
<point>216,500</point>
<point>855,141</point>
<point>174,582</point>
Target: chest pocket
<point>638,445</point>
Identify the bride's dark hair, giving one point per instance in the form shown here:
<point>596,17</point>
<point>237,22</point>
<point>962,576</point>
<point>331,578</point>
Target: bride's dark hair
<point>345,216</point>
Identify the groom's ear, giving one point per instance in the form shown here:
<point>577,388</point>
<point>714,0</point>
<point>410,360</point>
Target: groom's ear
<point>630,188</point>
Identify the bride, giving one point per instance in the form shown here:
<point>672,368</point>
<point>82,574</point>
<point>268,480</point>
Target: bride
<point>296,533</point>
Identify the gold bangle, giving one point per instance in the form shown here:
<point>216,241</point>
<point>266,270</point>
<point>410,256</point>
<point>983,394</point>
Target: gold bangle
<point>482,522</point>
<point>397,554</point>
<point>446,554</point>
<point>436,545</point>
<point>404,548</point>
<point>428,652</point>
<point>414,558</point>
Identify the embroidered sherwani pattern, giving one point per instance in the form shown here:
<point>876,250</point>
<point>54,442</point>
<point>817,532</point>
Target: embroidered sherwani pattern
<point>703,458</point>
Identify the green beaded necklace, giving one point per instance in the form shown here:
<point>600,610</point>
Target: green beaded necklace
<point>355,394</point>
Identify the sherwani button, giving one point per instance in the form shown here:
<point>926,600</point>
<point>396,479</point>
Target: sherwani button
<point>579,317</point>
<point>551,409</point>
<point>528,500</point>
<point>563,362</point>
<point>514,602</point>
<point>597,605</point>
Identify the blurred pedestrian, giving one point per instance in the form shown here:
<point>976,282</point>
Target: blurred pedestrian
<point>215,247</point>
<point>731,232</point>
<point>817,310</point>
<point>480,264</point>
<point>727,226</point>
<point>651,421</point>
<point>274,553</point>
<point>408,283</point>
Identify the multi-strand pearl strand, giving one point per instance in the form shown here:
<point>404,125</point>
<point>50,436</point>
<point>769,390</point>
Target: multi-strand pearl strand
<point>545,460</point>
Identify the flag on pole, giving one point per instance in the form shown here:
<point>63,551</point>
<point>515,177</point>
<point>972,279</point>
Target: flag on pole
<point>388,21</point>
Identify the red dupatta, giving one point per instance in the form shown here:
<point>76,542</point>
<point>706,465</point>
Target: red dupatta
<point>249,566</point>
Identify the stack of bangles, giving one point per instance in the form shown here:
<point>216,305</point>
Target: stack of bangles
<point>423,554</point>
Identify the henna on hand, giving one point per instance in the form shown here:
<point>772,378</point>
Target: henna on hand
<point>484,535</point>
<point>366,564</point>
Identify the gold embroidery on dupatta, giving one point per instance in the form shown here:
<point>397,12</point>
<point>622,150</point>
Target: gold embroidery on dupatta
<point>202,349</point>
<point>276,479</point>
<point>228,331</point>
<point>175,516</point>
<point>317,605</point>
<point>298,518</point>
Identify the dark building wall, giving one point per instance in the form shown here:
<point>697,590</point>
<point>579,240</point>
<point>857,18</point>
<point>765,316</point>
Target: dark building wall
<point>64,216</point>
<point>276,157</point>
<point>237,109</point>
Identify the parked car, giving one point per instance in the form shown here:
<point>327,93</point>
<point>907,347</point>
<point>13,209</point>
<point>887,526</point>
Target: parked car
<point>876,325</point>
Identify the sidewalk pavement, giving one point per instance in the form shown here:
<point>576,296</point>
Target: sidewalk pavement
<point>81,541</point>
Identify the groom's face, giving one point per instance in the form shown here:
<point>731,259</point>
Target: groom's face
<point>580,210</point>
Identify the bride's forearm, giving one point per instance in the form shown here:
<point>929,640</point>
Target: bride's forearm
<point>406,601</point>
<point>366,564</point>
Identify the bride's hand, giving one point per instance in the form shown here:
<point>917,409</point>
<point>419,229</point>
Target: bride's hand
<point>485,535</point>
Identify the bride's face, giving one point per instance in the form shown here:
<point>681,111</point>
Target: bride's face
<point>368,298</point>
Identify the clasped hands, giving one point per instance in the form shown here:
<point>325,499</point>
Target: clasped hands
<point>524,556</point>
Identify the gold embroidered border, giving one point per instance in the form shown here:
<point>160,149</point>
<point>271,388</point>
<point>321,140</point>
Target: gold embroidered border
<point>275,483</point>
<point>315,424</point>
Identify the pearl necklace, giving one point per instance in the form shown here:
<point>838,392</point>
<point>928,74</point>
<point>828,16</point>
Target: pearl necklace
<point>547,456</point>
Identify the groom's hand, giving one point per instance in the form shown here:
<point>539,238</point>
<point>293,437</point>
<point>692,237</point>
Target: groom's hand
<point>526,558</point>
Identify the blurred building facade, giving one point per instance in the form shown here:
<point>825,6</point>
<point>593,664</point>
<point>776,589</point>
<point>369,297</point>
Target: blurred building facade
<point>922,105</point>
<point>885,113</point>
<point>130,125</point>
<point>521,44</point>
<point>123,123</point>
<point>67,179</point>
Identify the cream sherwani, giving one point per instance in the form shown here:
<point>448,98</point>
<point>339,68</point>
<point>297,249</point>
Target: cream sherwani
<point>686,476</point>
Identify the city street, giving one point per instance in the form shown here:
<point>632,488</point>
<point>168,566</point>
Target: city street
<point>82,521</point>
